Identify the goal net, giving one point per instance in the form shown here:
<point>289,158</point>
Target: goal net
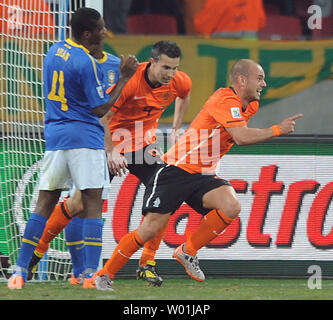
<point>27,29</point>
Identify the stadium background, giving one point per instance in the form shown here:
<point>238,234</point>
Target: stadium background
<point>285,185</point>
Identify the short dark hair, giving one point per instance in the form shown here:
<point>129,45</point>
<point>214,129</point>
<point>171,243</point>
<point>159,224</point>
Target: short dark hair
<point>169,48</point>
<point>84,19</point>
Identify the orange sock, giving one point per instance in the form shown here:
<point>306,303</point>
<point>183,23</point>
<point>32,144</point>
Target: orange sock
<point>126,247</point>
<point>150,247</point>
<point>58,220</point>
<point>211,225</point>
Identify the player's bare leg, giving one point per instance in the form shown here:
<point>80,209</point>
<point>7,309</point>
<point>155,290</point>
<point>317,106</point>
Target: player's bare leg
<point>226,207</point>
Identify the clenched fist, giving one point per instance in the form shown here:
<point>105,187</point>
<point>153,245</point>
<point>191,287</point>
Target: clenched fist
<point>128,66</point>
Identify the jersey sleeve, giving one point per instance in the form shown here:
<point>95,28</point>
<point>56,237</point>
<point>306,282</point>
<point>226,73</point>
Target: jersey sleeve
<point>227,111</point>
<point>183,84</point>
<point>91,77</point>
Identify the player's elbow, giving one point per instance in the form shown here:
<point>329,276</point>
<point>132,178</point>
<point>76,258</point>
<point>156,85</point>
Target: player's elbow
<point>99,112</point>
<point>240,135</point>
<point>241,141</point>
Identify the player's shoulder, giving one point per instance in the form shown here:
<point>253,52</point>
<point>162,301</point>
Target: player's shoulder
<point>133,83</point>
<point>223,98</point>
<point>227,95</point>
<point>253,107</point>
<point>139,74</point>
<point>224,94</point>
<point>183,76</point>
<point>55,46</point>
<point>142,67</point>
<point>182,79</point>
<point>112,58</point>
<point>77,51</point>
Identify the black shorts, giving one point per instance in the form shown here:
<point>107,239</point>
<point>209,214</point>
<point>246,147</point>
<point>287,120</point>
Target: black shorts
<point>144,163</point>
<point>171,186</point>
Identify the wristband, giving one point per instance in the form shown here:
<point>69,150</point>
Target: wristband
<point>276,130</point>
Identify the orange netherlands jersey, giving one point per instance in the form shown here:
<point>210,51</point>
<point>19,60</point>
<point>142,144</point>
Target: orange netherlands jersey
<point>140,106</point>
<point>231,16</point>
<point>25,17</point>
<point>206,140</point>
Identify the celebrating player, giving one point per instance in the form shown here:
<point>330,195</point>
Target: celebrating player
<point>189,172</point>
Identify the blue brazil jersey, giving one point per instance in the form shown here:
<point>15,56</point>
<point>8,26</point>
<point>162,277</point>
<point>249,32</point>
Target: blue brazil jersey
<point>73,86</point>
<point>110,69</point>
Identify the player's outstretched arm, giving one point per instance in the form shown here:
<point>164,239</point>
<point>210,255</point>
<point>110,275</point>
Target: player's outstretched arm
<point>127,69</point>
<point>245,136</point>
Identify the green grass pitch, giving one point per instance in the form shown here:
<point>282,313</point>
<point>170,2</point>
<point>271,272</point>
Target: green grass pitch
<point>177,289</point>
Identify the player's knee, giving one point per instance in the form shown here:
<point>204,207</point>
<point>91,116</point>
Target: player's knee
<point>75,206</point>
<point>147,232</point>
<point>46,202</point>
<point>231,207</point>
<point>152,225</point>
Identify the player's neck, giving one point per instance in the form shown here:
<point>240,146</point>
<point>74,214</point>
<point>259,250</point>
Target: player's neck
<point>150,77</point>
<point>242,96</point>
<point>83,43</point>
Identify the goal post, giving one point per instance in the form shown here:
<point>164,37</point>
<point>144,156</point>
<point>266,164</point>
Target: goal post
<point>27,30</point>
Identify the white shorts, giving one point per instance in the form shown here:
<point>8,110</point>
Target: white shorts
<point>69,193</point>
<point>84,168</point>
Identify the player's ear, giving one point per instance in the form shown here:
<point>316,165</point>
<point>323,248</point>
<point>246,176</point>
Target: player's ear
<point>86,34</point>
<point>242,80</point>
<point>152,60</point>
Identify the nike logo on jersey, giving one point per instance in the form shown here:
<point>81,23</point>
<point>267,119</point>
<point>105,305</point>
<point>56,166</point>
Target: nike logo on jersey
<point>136,98</point>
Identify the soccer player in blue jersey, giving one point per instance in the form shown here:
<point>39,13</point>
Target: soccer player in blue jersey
<point>69,213</point>
<point>74,231</point>
<point>75,100</point>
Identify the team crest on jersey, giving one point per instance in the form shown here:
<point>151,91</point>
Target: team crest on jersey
<point>235,112</point>
<point>111,77</point>
<point>157,202</point>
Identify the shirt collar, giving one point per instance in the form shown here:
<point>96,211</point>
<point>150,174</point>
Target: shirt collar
<point>74,44</point>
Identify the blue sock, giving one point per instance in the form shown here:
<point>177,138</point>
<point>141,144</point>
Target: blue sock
<point>92,234</point>
<point>32,233</point>
<point>75,244</point>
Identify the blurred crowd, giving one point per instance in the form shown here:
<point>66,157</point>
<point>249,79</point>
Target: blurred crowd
<point>251,19</point>
<point>219,18</point>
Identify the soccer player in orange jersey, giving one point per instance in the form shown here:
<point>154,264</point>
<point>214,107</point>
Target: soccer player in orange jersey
<point>188,174</point>
<point>130,138</point>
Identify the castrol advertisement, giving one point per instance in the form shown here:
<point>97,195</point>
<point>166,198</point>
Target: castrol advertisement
<point>286,212</point>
